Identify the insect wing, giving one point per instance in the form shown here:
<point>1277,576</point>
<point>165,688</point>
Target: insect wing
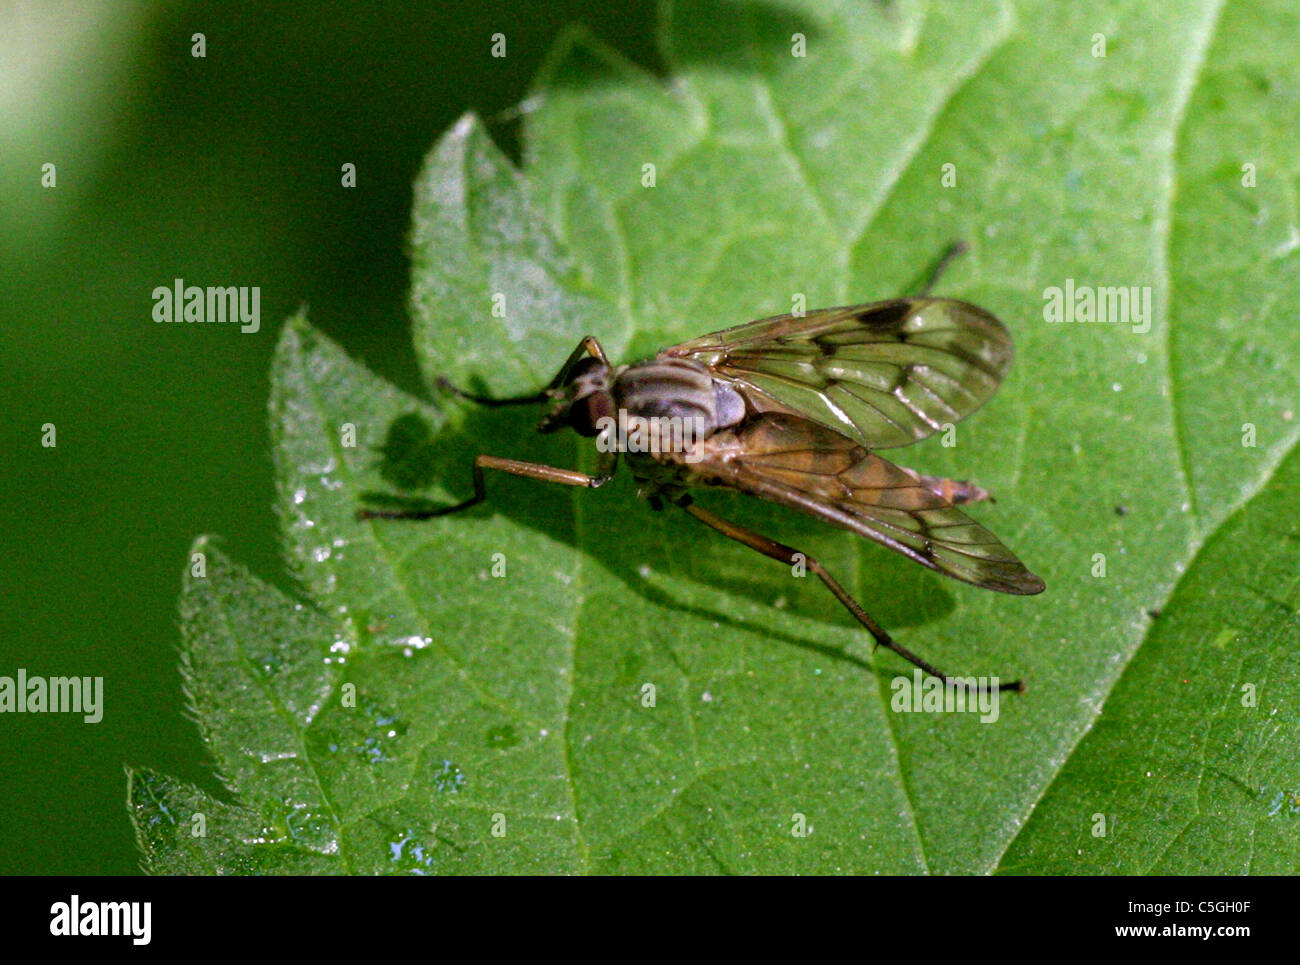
<point>803,465</point>
<point>886,374</point>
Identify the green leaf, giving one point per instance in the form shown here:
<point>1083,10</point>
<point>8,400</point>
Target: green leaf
<point>468,694</point>
<point>1191,767</point>
<point>257,672</point>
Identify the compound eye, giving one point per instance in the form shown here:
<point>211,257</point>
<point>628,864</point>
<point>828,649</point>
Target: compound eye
<point>585,413</point>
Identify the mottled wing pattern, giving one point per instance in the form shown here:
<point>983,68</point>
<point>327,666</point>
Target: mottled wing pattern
<point>803,465</point>
<point>886,374</point>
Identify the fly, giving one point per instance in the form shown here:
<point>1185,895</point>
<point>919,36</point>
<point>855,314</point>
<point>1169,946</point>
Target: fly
<point>792,409</point>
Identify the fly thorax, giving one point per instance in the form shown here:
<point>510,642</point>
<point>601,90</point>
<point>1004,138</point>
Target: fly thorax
<point>671,403</point>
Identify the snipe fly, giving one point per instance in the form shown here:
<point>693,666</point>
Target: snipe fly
<point>792,409</point>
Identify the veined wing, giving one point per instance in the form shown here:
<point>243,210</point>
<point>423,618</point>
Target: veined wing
<point>803,465</point>
<point>886,374</point>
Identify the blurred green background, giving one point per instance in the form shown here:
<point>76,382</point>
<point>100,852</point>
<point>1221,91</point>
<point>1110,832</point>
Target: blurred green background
<point>223,170</point>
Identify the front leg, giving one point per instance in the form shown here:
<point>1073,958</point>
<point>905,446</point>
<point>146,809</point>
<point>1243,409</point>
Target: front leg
<point>589,346</point>
<point>515,467</point>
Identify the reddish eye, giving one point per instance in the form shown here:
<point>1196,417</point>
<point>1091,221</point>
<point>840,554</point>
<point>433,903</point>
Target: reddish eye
<point>586,413</point>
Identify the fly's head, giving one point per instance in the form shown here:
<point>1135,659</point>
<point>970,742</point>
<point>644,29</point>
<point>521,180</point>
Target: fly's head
<point>582,400</point>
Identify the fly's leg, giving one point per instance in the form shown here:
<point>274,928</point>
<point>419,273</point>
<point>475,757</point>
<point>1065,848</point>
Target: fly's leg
<point>955,491</point>
<point>939,267</point>
<point>488,400</point>
<point>787,555</point>
<point>529,470</point>
<point>588,346</point>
